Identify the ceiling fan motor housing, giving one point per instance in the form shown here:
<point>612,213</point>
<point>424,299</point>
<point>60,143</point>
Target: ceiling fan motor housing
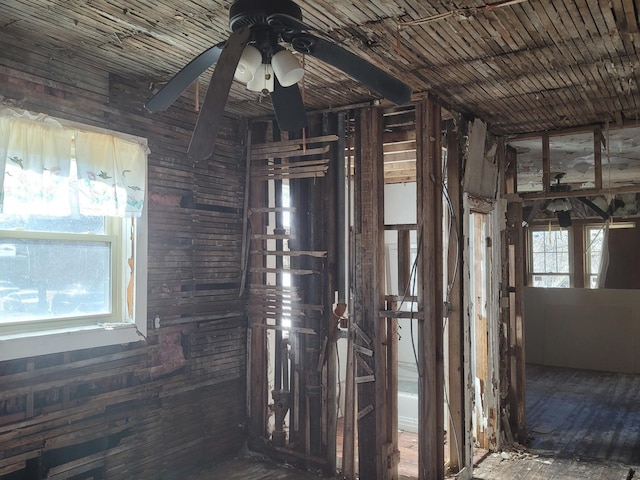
<point>247,13</point>
<point>560,187</point>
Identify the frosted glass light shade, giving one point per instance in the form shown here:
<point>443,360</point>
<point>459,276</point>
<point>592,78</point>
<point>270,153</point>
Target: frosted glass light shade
<point>262,81</point>
<point>287,68</point>
<point>250,60</point>
<point>559,205</point>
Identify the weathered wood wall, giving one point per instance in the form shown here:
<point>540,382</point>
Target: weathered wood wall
<point>162,407</point>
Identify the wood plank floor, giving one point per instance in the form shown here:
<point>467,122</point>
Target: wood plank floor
<point>252,467</point>
<point>407,444</point>
<point>583,414</point>
<point>583,426</point>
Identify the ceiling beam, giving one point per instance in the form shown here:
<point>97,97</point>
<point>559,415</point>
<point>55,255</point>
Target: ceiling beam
<point>585,192</point>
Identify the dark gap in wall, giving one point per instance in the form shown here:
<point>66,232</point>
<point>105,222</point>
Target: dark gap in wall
<point>187,201</point>
<point>39,467</point>
<point>210,286</point>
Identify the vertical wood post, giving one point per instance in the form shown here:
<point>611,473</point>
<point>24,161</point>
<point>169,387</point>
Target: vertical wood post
<point>332,184</point>
<point>369,294</point>
<point>516,282</point>
<point>430,266</point>
<point>258,380</point>
<point>458,458</point>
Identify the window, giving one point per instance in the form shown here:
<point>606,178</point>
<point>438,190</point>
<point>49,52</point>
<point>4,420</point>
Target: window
<point>593,254</point>
<point>72,236</point>
<point>549,259</point>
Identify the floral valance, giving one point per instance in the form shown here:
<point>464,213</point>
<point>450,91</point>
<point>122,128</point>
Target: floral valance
<point>49,168</point>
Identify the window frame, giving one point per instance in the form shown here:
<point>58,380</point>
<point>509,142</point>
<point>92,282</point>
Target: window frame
<point>588,274</point>
<point>90,331</point>
<point>530,264</point>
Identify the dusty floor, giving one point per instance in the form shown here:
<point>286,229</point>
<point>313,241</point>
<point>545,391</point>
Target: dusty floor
<point>582,425</point>
<point>583,414</point>
<point>539,467</point>
<point>252,467</point>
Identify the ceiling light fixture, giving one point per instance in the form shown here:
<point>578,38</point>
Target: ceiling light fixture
<point>262,80</point>
<point>259,77</point>
<point>287,68</point>
<point>559,205</point>
<point>249,62</point>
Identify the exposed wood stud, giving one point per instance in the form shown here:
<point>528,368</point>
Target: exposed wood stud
<point>430,330</point>
<point>369,277</point>
<point>456,320</point>
<point>516,281</point>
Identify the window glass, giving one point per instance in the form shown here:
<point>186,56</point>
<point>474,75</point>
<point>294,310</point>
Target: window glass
<point>55,278</point>
<point>593,250</point>
<point>549,258</point>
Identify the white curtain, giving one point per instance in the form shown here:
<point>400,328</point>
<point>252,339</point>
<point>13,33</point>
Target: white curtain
<point>604,258</point>
<point>52,169</point>
<point>35,156</point>
<point>111,175</point>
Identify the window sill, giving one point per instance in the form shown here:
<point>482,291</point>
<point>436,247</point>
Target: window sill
<point>66,339</point>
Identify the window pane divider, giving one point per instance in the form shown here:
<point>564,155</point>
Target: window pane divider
<point>57,236</point>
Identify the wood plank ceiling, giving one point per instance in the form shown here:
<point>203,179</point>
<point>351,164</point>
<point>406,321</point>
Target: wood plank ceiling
<point>522,65</point>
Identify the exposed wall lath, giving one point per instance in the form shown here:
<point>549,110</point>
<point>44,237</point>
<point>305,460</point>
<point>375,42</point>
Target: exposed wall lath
<point>290,293</point>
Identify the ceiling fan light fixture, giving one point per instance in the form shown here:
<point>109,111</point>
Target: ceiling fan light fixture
<point>559,205</point>
<point>287,68</point>
<point>248,65</point>
<point>263,79</point>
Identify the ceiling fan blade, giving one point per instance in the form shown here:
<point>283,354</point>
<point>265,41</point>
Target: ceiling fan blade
<point>206,131</point>
<point>604,215</point>
<point>288,107</point>
<point>354,66</point>
<point>535,209</point>
<point>185,77</point>
<point>287,24</point>
<point>564,218</point>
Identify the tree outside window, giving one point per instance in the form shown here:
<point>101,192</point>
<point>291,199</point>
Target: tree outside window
<point>549,261</point>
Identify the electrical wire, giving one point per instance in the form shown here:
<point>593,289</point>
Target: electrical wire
<point>453,222</point>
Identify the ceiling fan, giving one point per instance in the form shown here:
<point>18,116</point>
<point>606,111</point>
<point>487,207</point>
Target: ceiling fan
<point>562,206</point>
<point>253,54</point>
